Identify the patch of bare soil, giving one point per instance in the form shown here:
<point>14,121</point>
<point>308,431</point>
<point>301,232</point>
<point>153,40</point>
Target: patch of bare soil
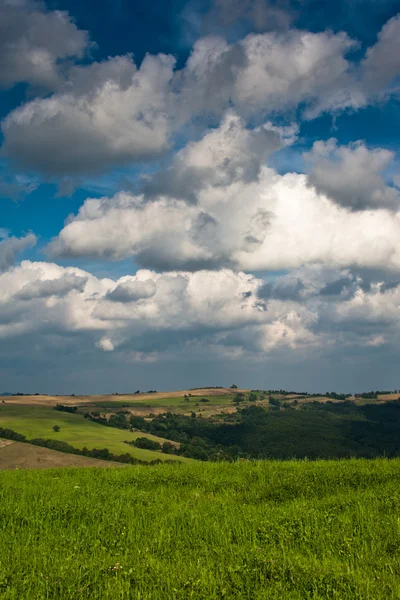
<point>4,443</point>
<point>16,455</point>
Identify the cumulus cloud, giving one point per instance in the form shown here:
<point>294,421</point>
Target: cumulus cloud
<point>207,315</point>
<point>107,114</point>
<point>52,287</point>
<point>131,291</point>
<point>228,153</point>
<point>284,288</point>
<point>33,41</point>
<point>11,246</point>
<point>266,73</point>
<point>271,223</point>
<point>71,300</point>
<point>382,61</point>
<point>114,113</point>
<point>352,175</point>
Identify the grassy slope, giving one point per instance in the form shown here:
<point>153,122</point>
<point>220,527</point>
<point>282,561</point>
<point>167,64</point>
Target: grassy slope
<point>253,531</point>
<point>38,421</point>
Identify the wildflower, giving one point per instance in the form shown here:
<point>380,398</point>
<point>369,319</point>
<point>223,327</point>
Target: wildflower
<point>117,567</point>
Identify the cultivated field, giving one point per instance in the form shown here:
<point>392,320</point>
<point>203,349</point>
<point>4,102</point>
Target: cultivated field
<point>15,455</point>
<point>146,399</point>
<point>38,421</point>
<point>248,530</point>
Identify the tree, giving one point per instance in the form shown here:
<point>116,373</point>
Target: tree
<point>252,397</point>
<point>234,386</point>
<point>239,398</point>
<point>146,443</point>
<point>168,448</point>
<point>56,428</point>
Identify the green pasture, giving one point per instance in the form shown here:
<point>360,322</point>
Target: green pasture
<point>38,421</point>
<point>177,404</point>
<point>248,530</point>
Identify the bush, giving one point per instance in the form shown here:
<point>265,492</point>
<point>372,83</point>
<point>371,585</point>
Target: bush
<point>9,434</point>
<point>168,448</point>
<point>56,428</point>
<point>146,444</point>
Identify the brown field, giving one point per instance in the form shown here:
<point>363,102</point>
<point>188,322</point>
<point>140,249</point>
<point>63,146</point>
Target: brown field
<point>89,400</point>
<point>16,455</point>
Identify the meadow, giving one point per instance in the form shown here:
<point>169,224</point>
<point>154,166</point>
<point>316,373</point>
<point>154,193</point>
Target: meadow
<point>253,530</point>
<point>160,403</point>
<point>38,421</point>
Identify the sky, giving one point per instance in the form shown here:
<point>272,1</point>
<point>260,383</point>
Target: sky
<point>199,192</point>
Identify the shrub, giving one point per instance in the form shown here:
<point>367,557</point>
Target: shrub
<point>146,444</point>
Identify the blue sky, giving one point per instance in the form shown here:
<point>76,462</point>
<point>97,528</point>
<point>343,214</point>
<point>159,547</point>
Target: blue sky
<point>246,154</point>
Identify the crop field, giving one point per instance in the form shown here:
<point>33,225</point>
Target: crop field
<point>38,421</point>
<point>172,404</point>
<point>16,455</point>
<point>251,530</point>
<point>156,398</point>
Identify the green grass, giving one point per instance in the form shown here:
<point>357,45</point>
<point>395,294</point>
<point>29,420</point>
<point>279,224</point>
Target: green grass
<point>252,531</point>
<point>174,403</point>
<point>38,421</point>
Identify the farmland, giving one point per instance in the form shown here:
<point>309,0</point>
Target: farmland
<point>253,530</point>
<point>178,401</point>
<point>15,455</point>
<point>38,421</point>
<point>212,424</point>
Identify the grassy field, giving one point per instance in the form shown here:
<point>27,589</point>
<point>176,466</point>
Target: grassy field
<point>38,421</point>
<point>155,398</point>
<point>249,530</point>
<point>172,404</point>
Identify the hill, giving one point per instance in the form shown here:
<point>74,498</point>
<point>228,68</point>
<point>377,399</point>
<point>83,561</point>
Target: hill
<point>15,455</point>
<point>38,422</point>
<point>252,530</point>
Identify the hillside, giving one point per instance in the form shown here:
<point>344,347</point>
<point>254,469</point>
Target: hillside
<point>38,422</point>
<point>251,530</point>
<point>15,455</point>
<point>222,425</point>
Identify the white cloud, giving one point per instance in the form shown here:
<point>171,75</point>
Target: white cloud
<point>382,61</point>
<point>33,41</point>
<point>52,287</point>
<point>132,291</point>
<point>107,114</point>
<point>267,222</point>
<point>352,175</point>
<point>227,154</point>
<point>266,73</point>
<point>204,314</point>
<point>112,113</point>
<point>46,297</point>
<point>11,246</point>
